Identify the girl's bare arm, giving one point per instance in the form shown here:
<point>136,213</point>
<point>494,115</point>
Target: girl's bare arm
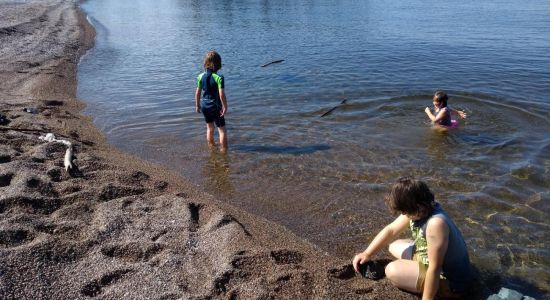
<point>460,113</point>
<point>382,239</point>
<point>437,235</point>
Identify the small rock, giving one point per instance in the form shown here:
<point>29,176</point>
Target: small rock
<point>3,120</point>
<point>31,110</point>
<point>371,270</point>
<point>509,294</point>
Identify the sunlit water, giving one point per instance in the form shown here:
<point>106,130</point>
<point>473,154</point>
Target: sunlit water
<point>325,178</point>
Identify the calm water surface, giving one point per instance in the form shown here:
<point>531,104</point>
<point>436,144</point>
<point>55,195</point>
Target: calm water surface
<point>325,178</point>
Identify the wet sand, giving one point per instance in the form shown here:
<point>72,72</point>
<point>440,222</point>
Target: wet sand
<point>114,226</point>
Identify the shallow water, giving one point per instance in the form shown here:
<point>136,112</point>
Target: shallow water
<point>325,178</point>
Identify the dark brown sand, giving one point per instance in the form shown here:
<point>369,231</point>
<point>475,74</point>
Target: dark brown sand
<point>116,227</point>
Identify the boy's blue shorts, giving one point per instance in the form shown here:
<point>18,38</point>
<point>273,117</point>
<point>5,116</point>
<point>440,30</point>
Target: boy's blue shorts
<point>213,115</point>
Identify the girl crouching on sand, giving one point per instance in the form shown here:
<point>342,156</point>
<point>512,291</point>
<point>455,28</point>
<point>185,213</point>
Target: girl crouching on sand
<point>442,113</point>
<point>435,262</point>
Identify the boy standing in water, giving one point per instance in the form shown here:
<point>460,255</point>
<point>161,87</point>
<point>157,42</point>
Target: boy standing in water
<point>213,104</point>
<point>435,262</point>
<point>442,112</point>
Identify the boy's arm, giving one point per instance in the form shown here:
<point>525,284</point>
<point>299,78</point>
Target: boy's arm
<point>460,113</point>
<point>382,239</point>
<point>198,100</point>
<point>437,235</point>
<point>224,102</point>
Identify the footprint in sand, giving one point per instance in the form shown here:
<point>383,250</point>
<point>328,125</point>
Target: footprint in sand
<point>5,179</point>
<point>15,237</point>
<point>94,288</point>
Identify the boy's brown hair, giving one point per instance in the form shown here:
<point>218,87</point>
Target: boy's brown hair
<point>212,61</point>
<point>410,197</point>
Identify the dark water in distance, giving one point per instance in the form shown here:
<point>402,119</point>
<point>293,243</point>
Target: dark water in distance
<point>325,178</point>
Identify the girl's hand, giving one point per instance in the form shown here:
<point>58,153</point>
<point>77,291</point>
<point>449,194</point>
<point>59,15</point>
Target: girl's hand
<point>359,259</point>
<point>427,110</point>
<point>462,114</point>
<point>198,108</point>
<point>222,112</point>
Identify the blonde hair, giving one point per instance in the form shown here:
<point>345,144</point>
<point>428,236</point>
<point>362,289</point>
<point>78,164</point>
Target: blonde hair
<point>212,61</point>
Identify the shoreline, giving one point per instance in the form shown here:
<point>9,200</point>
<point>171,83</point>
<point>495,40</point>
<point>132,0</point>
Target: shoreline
<point>117,226</point>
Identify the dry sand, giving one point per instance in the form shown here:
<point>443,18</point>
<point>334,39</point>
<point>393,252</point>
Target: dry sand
<point>116,227</point>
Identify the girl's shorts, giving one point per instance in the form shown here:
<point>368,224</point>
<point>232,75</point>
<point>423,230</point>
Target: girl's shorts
<point>444,284</point>
<point>444,290</point>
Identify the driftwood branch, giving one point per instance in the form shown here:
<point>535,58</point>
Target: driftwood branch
<point>328,112</point>
<point>68,159</point>
<point>273,62</point>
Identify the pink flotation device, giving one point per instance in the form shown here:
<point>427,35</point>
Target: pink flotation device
<point>454,124</point>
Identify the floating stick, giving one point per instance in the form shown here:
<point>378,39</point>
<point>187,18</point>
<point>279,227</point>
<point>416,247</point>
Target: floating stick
<point>328,112</point>
<point>273,62</point>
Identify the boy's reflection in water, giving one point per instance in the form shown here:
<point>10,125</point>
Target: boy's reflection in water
<point>216,171</point>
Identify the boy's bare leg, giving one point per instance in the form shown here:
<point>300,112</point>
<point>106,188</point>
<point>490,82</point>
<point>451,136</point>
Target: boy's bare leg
<point>223,138</point>
<point>210,134</point>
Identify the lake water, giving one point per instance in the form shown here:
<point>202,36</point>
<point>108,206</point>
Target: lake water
<point>325,178</point>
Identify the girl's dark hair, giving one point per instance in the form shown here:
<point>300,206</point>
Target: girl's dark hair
<point>441,97</point>
<point>212,61</point>
<point>409,196</point>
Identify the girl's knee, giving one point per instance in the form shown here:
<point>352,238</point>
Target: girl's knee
<point>394,249</point>
<point>391,271</point>
<point>401,249</point>
<point>403,274</point>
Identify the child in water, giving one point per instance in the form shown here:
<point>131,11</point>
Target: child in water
<point>442,113</point>
<point>435,262</point>
<point>214,103</point>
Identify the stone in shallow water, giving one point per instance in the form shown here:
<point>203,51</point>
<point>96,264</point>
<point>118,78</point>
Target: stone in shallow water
<point>508,294</point>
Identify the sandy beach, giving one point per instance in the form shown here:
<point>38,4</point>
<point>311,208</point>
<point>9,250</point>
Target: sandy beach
<point>114,226</point>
